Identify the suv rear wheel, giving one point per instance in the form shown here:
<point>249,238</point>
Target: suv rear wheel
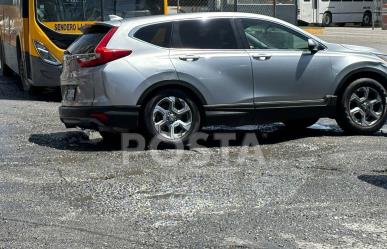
<point>362,108</point>
<point>171,116</point>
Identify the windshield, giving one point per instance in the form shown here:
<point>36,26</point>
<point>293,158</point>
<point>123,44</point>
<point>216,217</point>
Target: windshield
<point>94,10</point>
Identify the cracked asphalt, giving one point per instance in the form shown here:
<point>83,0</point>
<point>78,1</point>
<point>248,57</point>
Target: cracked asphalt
<point>66,189</point>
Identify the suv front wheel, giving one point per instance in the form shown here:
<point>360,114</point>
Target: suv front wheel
<point>362,107</point>
<point>171,116</point>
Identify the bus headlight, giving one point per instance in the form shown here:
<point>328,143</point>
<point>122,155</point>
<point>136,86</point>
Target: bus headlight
<point>45,54</point>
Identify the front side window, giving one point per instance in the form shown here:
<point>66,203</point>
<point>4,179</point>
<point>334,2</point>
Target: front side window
<point>204,34</point>
<point>157,34</point>
<point>267,35</point>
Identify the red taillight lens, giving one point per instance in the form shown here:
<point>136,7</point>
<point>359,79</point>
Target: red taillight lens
<point>104,54</point>
<point>100,116</point>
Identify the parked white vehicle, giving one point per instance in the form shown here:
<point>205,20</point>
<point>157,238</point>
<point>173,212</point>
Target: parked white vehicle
<point>326,12</point>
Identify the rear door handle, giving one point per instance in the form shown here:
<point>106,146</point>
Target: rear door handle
<point>262,57</point>
<point>189,58</point>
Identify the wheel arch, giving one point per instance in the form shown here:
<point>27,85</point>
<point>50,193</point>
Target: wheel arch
<point>328,12</point>
<point>181,85</point>
<point>358,74</point>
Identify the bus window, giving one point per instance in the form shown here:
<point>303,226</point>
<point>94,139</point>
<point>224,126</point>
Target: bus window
<point>125,9</point>
<point>68,10</point>
<point>92,10</point>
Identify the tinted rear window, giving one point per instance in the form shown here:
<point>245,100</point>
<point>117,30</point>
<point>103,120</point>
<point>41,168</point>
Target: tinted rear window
<point>89,41</point>
<point>157,34</point>
<point>204,34</point>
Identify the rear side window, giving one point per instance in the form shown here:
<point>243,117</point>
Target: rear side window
<point>89,41</point>
<point>204,34</point>
<point>157,34</point>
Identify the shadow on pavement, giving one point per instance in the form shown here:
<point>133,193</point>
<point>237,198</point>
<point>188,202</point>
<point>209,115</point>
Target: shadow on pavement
<point>10,89</point>
<point>71,140</point>
<point>376,180</point>
<point>267,134</point>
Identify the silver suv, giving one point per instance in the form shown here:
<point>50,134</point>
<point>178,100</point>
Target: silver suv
<point>171,75</point>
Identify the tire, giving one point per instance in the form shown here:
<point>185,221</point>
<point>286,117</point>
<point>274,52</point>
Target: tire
<point>300,124</point>
<point>22,78</point>
<point>327,19</point>
<point>7,71</point>
<point>367,19</point>
<point>368,109</point>
<point>160,118</point>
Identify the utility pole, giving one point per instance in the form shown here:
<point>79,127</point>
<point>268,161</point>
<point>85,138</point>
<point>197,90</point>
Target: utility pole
<point>275,8</point>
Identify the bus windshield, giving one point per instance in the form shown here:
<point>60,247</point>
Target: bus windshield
<point>95,10</point>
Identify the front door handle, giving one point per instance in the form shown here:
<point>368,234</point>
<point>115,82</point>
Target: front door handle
<point>262,57</point>
<point>189,58</point>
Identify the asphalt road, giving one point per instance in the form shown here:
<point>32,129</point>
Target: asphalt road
<point>357,36</point>
<point>65,189</point>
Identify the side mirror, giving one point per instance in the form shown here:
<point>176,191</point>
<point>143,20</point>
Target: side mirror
<point>313,46</point>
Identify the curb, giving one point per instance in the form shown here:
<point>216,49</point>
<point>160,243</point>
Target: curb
<point>314,30</point>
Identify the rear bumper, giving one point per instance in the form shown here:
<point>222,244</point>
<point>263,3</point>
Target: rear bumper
<point>113,119</point>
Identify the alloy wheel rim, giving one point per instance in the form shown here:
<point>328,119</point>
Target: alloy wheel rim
<point>366,106</point>
<point>172,118</point>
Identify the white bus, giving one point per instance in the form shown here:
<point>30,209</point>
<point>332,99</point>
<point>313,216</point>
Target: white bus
<point>326,12</point>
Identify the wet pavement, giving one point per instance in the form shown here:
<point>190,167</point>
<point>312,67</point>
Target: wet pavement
<point>66,189</point>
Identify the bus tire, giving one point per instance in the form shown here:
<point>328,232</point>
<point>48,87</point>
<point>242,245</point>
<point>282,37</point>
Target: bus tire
<point>7,71</point>
<point>327,19</point>
<point>367,19</point>
<point>22,78</point>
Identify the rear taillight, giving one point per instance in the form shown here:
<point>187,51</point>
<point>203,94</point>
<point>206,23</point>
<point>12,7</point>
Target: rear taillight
<point>103,54</point>
<point>100,116</point>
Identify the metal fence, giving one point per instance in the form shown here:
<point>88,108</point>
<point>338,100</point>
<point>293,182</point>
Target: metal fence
<point>283,9</point>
